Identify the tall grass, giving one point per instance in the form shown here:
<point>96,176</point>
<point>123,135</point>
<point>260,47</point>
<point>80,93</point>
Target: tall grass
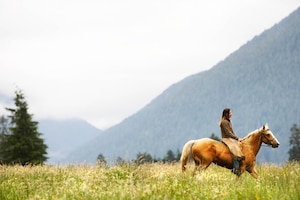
<point>148,181</point>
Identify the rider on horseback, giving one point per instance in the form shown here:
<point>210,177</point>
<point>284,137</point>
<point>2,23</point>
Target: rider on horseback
<point>231,140</point>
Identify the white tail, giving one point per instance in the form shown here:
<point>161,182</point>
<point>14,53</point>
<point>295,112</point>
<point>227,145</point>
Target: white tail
<point>185,154</point>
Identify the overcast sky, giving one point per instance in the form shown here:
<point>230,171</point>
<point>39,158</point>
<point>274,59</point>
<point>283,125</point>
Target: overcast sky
<point>104,60</point>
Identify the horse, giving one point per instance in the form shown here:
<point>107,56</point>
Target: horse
<point>206,151</point>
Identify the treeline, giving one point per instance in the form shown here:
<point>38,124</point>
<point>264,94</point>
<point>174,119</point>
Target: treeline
<point>145,157</point>
<point>21,143</point>
<point>170,157</point>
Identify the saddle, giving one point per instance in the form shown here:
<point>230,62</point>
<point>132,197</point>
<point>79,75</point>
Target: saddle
<point>234,148</point>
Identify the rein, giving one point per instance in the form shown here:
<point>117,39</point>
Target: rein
<point>261,135</point>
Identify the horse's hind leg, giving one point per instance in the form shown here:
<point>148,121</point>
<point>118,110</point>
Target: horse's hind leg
<point>201,165</point>
<point>197,165</point>
<point>184,163</point>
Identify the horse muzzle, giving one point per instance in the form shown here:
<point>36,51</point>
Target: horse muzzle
<point>275,145</point>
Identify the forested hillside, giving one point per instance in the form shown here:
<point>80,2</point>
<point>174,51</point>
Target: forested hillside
<point>260,82</point>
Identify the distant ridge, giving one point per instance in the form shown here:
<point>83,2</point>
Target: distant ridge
<point>64,136</point>
<point>260,82</point>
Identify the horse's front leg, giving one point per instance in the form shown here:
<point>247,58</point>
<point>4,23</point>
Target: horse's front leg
<point>242,168</point>
<point>253,172</point>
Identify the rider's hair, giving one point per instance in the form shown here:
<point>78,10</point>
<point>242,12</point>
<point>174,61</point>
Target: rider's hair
<point>225,114</point>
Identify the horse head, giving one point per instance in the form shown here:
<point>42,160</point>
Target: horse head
<point>268,137</point>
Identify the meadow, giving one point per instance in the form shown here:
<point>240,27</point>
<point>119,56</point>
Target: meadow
<point>147,181</point>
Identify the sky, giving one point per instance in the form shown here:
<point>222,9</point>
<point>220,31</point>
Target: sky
<point>102,61</point>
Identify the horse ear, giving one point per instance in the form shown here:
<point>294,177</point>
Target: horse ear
<point>265,126</point>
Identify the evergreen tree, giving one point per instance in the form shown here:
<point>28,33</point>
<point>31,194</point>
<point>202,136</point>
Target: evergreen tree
<point>3,125</point>
<point>142,158</point>
<point>120,161</point>
<point>214,137</point>
<point>178,155</point>
<point>23,145</point>
<point>294,151</point>
<point>3,132</point>
<point>170,157</point>
<point>101,159</point>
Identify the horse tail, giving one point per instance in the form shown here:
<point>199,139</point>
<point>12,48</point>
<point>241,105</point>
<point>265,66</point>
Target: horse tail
<point>186,152</point>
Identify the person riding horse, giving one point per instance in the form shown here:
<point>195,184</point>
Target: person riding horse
<point>205,151</point>
<point>231,140</point>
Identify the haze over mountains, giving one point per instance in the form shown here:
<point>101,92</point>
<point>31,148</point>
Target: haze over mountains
<point>260,82</point>
<point>64,136</point>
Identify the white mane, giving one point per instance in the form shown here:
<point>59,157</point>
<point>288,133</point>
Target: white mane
<point>251,133</point>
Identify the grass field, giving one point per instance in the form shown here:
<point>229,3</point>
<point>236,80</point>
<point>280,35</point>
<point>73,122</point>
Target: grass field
<point>148,181</point>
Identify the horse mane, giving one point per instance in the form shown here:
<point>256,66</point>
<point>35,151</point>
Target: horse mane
<point>251,133</point>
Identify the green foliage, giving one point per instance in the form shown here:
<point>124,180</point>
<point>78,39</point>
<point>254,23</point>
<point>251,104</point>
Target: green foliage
<point>3,125</point>
<point>294,151</point>
<point>101,159</point>
<point>214,137</point>
<point>3,132</point>
<point>22,144</point>
<point>142,158</point>
<point>120,161</point>
<point>148,181</point>
<point>171,156</point>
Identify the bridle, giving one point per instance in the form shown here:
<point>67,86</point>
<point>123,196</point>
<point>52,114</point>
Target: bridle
<point>270,141</point>
<point>262,135</point>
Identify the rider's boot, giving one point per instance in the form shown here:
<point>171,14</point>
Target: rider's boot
<point>236,166</point>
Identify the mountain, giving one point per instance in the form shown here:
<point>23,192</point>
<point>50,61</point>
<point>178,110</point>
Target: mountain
<point>64,136</point>
<point>259,82</point>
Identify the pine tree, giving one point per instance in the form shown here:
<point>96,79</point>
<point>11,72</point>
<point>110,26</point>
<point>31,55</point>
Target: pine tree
<point>23,145</point>
<point>214,137</point>
<point>142,158</point>
<point>294,151</point>
<point>101,159</point>
<point>3,133</point>
<point>170,156</point>
<point>3,125</point>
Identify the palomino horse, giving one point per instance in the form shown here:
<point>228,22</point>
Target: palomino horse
<point>206,151</point>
